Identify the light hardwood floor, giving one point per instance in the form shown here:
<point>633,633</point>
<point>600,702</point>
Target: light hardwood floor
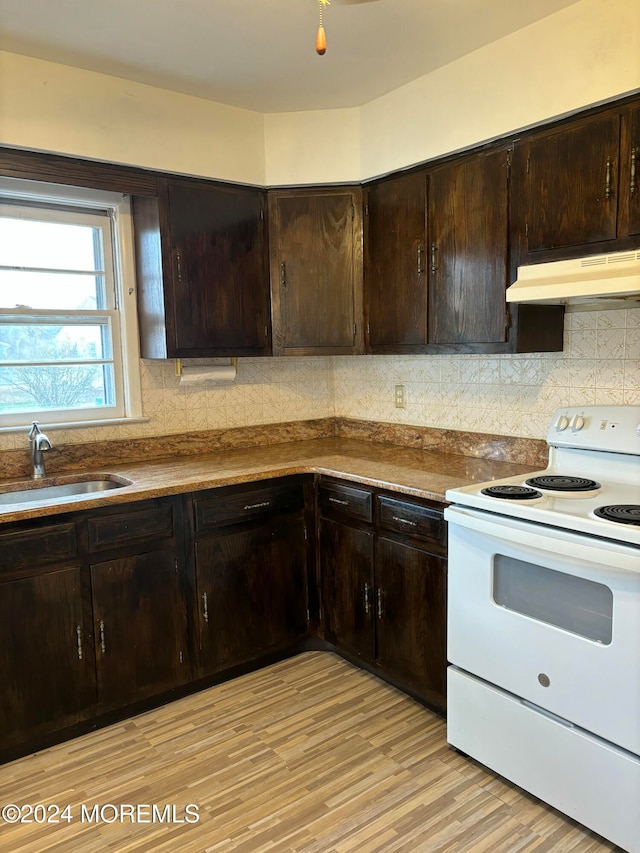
<point>310,754</point>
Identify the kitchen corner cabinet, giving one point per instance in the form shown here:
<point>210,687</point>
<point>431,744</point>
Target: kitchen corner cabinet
<point>315,239</point>
<point>382,564</point>
<point>576,188</point>
<point>468,250</point>
<point>395,271</point>
<point>46,658</point>
<point>202,269</point>
<point>251,572</point>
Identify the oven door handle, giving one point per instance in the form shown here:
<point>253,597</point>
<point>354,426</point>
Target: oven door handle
<point>578,547</point>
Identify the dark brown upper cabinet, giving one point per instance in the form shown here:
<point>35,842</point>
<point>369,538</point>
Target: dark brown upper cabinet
<point>570,185</point>
<point>203,283</point>
<point>629,207</point>
<point>468,250</point>
<point>395,271</point>
<point>575,188</point>
<point>315,239</point>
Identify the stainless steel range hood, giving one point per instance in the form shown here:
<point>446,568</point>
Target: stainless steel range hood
<point>598,280</point>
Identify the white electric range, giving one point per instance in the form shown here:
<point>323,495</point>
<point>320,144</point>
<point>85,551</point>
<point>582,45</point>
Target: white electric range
<point>544,622</point>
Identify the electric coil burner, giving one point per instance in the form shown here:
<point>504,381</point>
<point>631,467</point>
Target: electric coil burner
<point>511,493</point>
<point>560,483</point>
<point>620,513</point>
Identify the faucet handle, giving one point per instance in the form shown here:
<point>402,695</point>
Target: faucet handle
<point>33,432</point>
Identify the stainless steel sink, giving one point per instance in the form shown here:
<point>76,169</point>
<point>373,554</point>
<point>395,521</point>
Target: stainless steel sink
<point>61,493</point>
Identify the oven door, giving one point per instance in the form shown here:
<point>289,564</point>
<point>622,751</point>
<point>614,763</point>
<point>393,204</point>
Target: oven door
<point>550,616</point>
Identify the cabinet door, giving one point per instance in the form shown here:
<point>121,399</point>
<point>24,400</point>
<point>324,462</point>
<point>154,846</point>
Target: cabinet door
<point>395,278</point>
<point>252,592</point>
<point>47,671</point>
<point>316,272</point>
<point>202,270</point>
<point>468,252</point>
<point>220,296</point>
<point>139,626</point>
<point>629,225</point>
<point>571,185</point>
<point>411,617</point>
<point>346,583</point>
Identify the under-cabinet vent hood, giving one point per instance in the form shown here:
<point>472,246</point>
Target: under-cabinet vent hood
<point>591,280</point>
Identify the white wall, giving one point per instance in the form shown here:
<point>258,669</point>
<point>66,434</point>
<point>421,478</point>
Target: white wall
<point>313,147</point>
<point>586,53</point>
<point>51,107</point>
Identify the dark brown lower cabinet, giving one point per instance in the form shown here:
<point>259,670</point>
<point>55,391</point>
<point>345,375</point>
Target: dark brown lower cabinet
<point>139,626</point>
<point>252,591</point>
<point>47,670</point>
<point>347,593</point>
<point>383,592</point>
<point>411,611</point>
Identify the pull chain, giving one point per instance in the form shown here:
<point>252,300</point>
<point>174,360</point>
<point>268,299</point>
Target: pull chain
<point>321,38</point>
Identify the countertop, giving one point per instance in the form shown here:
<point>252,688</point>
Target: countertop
<point>420,473</point>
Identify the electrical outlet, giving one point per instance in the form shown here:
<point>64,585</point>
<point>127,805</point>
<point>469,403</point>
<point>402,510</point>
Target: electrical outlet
<point>400,397</point>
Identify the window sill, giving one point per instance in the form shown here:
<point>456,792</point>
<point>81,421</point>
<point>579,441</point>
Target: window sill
<point>108,422</point>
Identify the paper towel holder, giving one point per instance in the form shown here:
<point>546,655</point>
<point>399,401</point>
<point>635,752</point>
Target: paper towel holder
<point>233,361</point>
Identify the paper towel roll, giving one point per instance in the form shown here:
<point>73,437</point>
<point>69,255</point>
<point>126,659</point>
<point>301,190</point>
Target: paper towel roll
<point>212,373</point>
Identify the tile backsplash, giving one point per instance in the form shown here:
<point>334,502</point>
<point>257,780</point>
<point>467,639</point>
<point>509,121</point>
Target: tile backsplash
<point>501,394</point>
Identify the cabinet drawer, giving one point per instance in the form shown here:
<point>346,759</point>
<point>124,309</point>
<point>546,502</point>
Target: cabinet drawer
<point>36,546</point>
<point>411,519</point>
<point>235,507</point>
<point>130,525</point>
<point>336,499</point>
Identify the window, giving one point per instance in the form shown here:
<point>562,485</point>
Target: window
<point>68,340</point>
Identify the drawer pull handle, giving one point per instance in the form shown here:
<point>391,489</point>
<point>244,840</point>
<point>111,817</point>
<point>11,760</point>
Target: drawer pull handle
<point>103,645</point>
<point>258,505</point>
<point>380,607</point>
<point>367,606</point>
<point>338,501</point>
<point>205,607</point>
<point>434,258</point>
<point>633,182</point>
<point>405,521</point>
<point>79,641</point>
<point>420,260</point>
<point>608,178</point>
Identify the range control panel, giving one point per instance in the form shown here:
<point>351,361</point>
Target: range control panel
<point>615,429</point>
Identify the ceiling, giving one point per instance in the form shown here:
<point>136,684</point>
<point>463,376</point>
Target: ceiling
<point>260,54</point>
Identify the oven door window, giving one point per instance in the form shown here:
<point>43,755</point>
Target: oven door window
<point>574,604</point>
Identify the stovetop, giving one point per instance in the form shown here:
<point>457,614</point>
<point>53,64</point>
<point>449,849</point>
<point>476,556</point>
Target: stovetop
<point>600,448</point>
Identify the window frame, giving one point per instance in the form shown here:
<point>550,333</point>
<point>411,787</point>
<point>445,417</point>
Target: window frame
<point>120,310</point>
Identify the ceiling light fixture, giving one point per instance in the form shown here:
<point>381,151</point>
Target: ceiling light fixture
<point>321,38</point>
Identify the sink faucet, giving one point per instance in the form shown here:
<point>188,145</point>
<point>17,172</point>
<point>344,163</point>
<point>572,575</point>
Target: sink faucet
<point>39,443</point>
